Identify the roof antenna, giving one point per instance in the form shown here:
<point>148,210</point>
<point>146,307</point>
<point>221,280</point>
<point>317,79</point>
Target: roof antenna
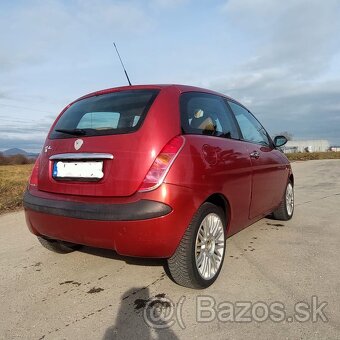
<point>128,79</point>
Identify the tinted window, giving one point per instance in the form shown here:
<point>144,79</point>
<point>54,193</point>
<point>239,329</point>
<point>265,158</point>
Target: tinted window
<point>206,114</point>
<point>99,120</point>
<point>113,113</point>
<point>251,129</point>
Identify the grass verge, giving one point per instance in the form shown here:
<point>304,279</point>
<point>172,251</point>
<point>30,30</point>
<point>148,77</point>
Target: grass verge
<point>307,156</point>
<point>13,181</point>
<point>13,178</point>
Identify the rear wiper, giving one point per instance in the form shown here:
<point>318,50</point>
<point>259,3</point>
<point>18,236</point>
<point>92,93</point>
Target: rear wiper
<point>75,132</point>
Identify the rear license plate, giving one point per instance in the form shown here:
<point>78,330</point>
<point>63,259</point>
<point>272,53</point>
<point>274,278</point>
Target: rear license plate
<point>78,170</point>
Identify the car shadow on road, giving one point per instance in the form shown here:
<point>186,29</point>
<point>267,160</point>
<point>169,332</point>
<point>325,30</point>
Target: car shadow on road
<point>136,261</point>
<point>111,254</point>
<point>132,321</point>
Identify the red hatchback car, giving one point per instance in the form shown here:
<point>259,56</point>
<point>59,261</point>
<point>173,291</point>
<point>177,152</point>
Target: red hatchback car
<point>166,171</point>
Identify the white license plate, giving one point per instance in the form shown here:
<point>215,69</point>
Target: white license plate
<point>86,170</point>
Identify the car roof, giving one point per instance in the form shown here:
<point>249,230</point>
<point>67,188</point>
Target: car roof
<point>179,87</point>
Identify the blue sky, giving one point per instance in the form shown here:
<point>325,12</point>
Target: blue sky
<point>280,58</point>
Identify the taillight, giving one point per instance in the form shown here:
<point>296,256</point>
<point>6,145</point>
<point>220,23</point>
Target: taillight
<point>162,164</point>
<point>33,181</point>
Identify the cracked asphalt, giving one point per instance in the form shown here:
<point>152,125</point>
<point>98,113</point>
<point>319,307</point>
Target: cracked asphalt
<point>95,294</point>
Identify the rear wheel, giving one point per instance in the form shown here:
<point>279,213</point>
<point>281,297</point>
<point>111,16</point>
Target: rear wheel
<point>198,259</point>
<point>57,246</point>
<point>286,209</point>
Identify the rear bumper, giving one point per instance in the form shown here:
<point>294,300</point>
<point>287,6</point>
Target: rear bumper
<point>146,225</point>
<point>139,210</point>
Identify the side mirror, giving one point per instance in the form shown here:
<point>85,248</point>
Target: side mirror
<point>280,141</point>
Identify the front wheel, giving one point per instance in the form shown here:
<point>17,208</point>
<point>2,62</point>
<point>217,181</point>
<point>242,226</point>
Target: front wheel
<point>286,209</point>
<point>198,259</point>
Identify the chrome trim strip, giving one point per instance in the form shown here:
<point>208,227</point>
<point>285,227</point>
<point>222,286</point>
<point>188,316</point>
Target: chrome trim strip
<point>81,155</point>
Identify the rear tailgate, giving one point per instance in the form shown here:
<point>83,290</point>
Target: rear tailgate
<point>132,154</point>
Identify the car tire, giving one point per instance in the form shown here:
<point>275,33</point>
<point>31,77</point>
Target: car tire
<point>57,246</point>
<point>202,247</point>
<point>286,209</point>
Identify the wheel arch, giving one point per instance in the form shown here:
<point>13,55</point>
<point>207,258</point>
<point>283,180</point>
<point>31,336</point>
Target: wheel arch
<point>221,201</point>
<point>291,178</point>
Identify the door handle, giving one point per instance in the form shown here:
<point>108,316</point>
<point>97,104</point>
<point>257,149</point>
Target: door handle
<point>255,154</point>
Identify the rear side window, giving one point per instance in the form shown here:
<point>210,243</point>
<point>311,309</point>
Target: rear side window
<point>206,114</point>
<point>250,127</point>
<point>113,113</point>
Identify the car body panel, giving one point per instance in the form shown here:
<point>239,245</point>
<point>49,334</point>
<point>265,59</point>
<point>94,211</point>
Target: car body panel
<point>155,237</point>
<point>206,166</point>
<point>133,153</point>
<point>270,174</point>
<point>212,165</point>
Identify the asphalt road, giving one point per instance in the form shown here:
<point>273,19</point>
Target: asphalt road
<point>94,294</point>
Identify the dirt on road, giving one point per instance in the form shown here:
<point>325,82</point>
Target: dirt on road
<point>95,294</point>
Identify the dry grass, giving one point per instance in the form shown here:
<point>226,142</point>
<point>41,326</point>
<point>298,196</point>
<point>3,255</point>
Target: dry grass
<point>13,181</point>
<point>306,156</point>
<point>13,178</point>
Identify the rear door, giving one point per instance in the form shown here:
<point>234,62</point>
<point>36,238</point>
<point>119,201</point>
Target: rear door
<point>270,171</point>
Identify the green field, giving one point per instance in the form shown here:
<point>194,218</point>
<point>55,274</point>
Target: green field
<point>13,181</point>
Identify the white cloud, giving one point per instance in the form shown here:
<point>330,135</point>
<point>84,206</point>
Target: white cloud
<point>277,57</point>
<point>294,43</point>
<point>39,29</point>
<point>299,35</point>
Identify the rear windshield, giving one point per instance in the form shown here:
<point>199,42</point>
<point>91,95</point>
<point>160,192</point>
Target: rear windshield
<point>108,114</point>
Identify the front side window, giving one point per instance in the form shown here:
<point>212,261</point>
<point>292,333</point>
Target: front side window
<point>206,114</point>
<point>107,114</point>
<point>251,129</point>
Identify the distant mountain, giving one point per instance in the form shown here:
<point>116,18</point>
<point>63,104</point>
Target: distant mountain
<point>17,151</point>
